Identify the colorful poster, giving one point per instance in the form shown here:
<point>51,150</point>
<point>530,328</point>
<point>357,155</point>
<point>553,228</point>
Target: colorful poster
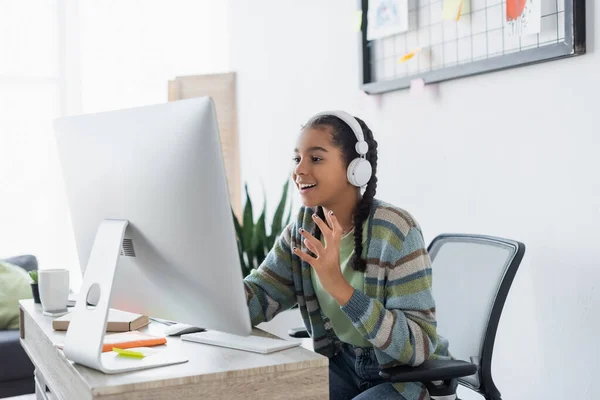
<point>523,17</point>
<point>386,18</point>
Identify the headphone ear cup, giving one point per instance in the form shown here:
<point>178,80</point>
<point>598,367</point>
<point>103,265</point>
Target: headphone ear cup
<point>359,172</point>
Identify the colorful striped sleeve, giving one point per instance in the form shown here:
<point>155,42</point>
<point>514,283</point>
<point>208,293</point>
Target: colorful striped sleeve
<point>403,326</point>
<point>270,288</point>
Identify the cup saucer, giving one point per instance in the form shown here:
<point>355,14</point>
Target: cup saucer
<point>56,313</point>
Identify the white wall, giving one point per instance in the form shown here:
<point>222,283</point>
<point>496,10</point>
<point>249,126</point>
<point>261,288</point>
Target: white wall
<point>131,48</point>
<point>123,53</point>
<point>73,56</point>
<point>458,164</point>
<point>33,91</point>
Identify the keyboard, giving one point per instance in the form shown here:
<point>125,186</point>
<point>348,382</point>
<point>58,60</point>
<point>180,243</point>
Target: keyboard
<point>254,344</point>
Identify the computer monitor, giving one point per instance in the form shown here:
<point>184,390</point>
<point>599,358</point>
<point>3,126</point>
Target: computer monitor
<point>150,209</point>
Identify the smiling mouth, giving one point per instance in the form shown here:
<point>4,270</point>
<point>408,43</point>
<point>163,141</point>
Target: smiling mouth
<point>305,188</point>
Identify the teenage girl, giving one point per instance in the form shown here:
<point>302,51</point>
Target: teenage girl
<point>356,266</point>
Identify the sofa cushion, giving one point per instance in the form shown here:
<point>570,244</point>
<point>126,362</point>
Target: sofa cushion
<point>15,363</point>
<point>26,261</point>
<point>17,387</point>
<point>14,286</point>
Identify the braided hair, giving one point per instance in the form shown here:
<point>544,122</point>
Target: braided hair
<point>344,138</point>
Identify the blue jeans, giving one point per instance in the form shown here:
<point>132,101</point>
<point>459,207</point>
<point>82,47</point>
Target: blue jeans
<point>354,374</point>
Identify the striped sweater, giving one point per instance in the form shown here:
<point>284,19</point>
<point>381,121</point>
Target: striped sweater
<point>396,312</point>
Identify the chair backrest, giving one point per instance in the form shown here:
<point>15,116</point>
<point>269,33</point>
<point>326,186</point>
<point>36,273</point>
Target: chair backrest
<point>472,275</point>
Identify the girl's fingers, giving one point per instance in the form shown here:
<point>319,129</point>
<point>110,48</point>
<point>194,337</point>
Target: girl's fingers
<point>311,247</point>
<point>304,256</point>
<point>335,223</point>
<point>328,215</point>
<point>321,224</point>
<point>317,246</point>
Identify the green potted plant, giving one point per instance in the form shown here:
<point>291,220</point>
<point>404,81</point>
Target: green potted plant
<point>254,243</point>
<point>34,285</point>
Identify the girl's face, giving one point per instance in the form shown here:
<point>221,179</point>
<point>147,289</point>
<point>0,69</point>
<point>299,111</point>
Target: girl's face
<point>319,169</point>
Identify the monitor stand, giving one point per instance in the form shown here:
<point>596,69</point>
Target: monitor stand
<point>83,342</point>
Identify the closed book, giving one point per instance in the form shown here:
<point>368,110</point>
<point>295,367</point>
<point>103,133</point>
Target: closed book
<point>118,321</point>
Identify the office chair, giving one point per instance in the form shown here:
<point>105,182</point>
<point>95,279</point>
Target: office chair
<point>472,275</point>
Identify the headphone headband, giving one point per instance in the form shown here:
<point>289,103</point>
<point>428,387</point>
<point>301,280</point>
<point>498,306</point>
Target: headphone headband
<point>361,146</point>
<point>359,170</point>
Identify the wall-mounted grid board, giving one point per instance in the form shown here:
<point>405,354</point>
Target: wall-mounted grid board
<point>479,42</point>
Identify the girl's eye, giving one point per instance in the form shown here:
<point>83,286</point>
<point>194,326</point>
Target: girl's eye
<point>313,159</point>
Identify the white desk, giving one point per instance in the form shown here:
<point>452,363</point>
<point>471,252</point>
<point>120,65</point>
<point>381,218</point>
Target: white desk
<point>211,372</point>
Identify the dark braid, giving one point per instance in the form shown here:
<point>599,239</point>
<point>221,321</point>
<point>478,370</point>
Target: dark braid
<point>363,208</point>
<point>344,138</point>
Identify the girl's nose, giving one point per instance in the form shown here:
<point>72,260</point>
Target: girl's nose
<point>300,168</point>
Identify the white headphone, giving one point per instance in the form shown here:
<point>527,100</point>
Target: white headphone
<point>359,170</point>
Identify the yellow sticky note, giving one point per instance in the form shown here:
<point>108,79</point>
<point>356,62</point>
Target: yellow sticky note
<point>358,20</point>
<point>409,55</point>
<point>454,8</point>
<point>128,353</point>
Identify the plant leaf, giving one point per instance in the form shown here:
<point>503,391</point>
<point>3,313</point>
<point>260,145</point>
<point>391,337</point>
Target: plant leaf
<point>245,269</point>
<point>34,275</point>
<point>289,216</point>
<point>258,239</point>
<point>238,227</point>
<point>238,238</point>
<point>248,229</point>
<point>276,226</point>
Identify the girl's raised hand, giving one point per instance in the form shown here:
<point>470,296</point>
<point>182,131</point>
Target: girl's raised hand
<point>327,261</point>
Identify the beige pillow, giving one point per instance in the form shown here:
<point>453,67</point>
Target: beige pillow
<point>15,285</point>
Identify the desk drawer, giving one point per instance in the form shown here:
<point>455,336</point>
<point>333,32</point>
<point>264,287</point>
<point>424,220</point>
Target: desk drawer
<point>52,369</point>
<point>42,391</point>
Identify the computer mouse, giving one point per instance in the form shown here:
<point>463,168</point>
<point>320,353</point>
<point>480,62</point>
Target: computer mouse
<point>180,329</point>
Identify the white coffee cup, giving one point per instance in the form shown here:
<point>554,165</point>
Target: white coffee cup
<point>53,285</point>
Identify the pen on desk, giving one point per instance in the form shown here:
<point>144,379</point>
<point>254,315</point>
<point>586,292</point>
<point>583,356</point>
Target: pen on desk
<point>163,321</point>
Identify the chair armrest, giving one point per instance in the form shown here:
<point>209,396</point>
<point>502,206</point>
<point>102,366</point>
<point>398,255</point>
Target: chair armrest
<point>430,370</point>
